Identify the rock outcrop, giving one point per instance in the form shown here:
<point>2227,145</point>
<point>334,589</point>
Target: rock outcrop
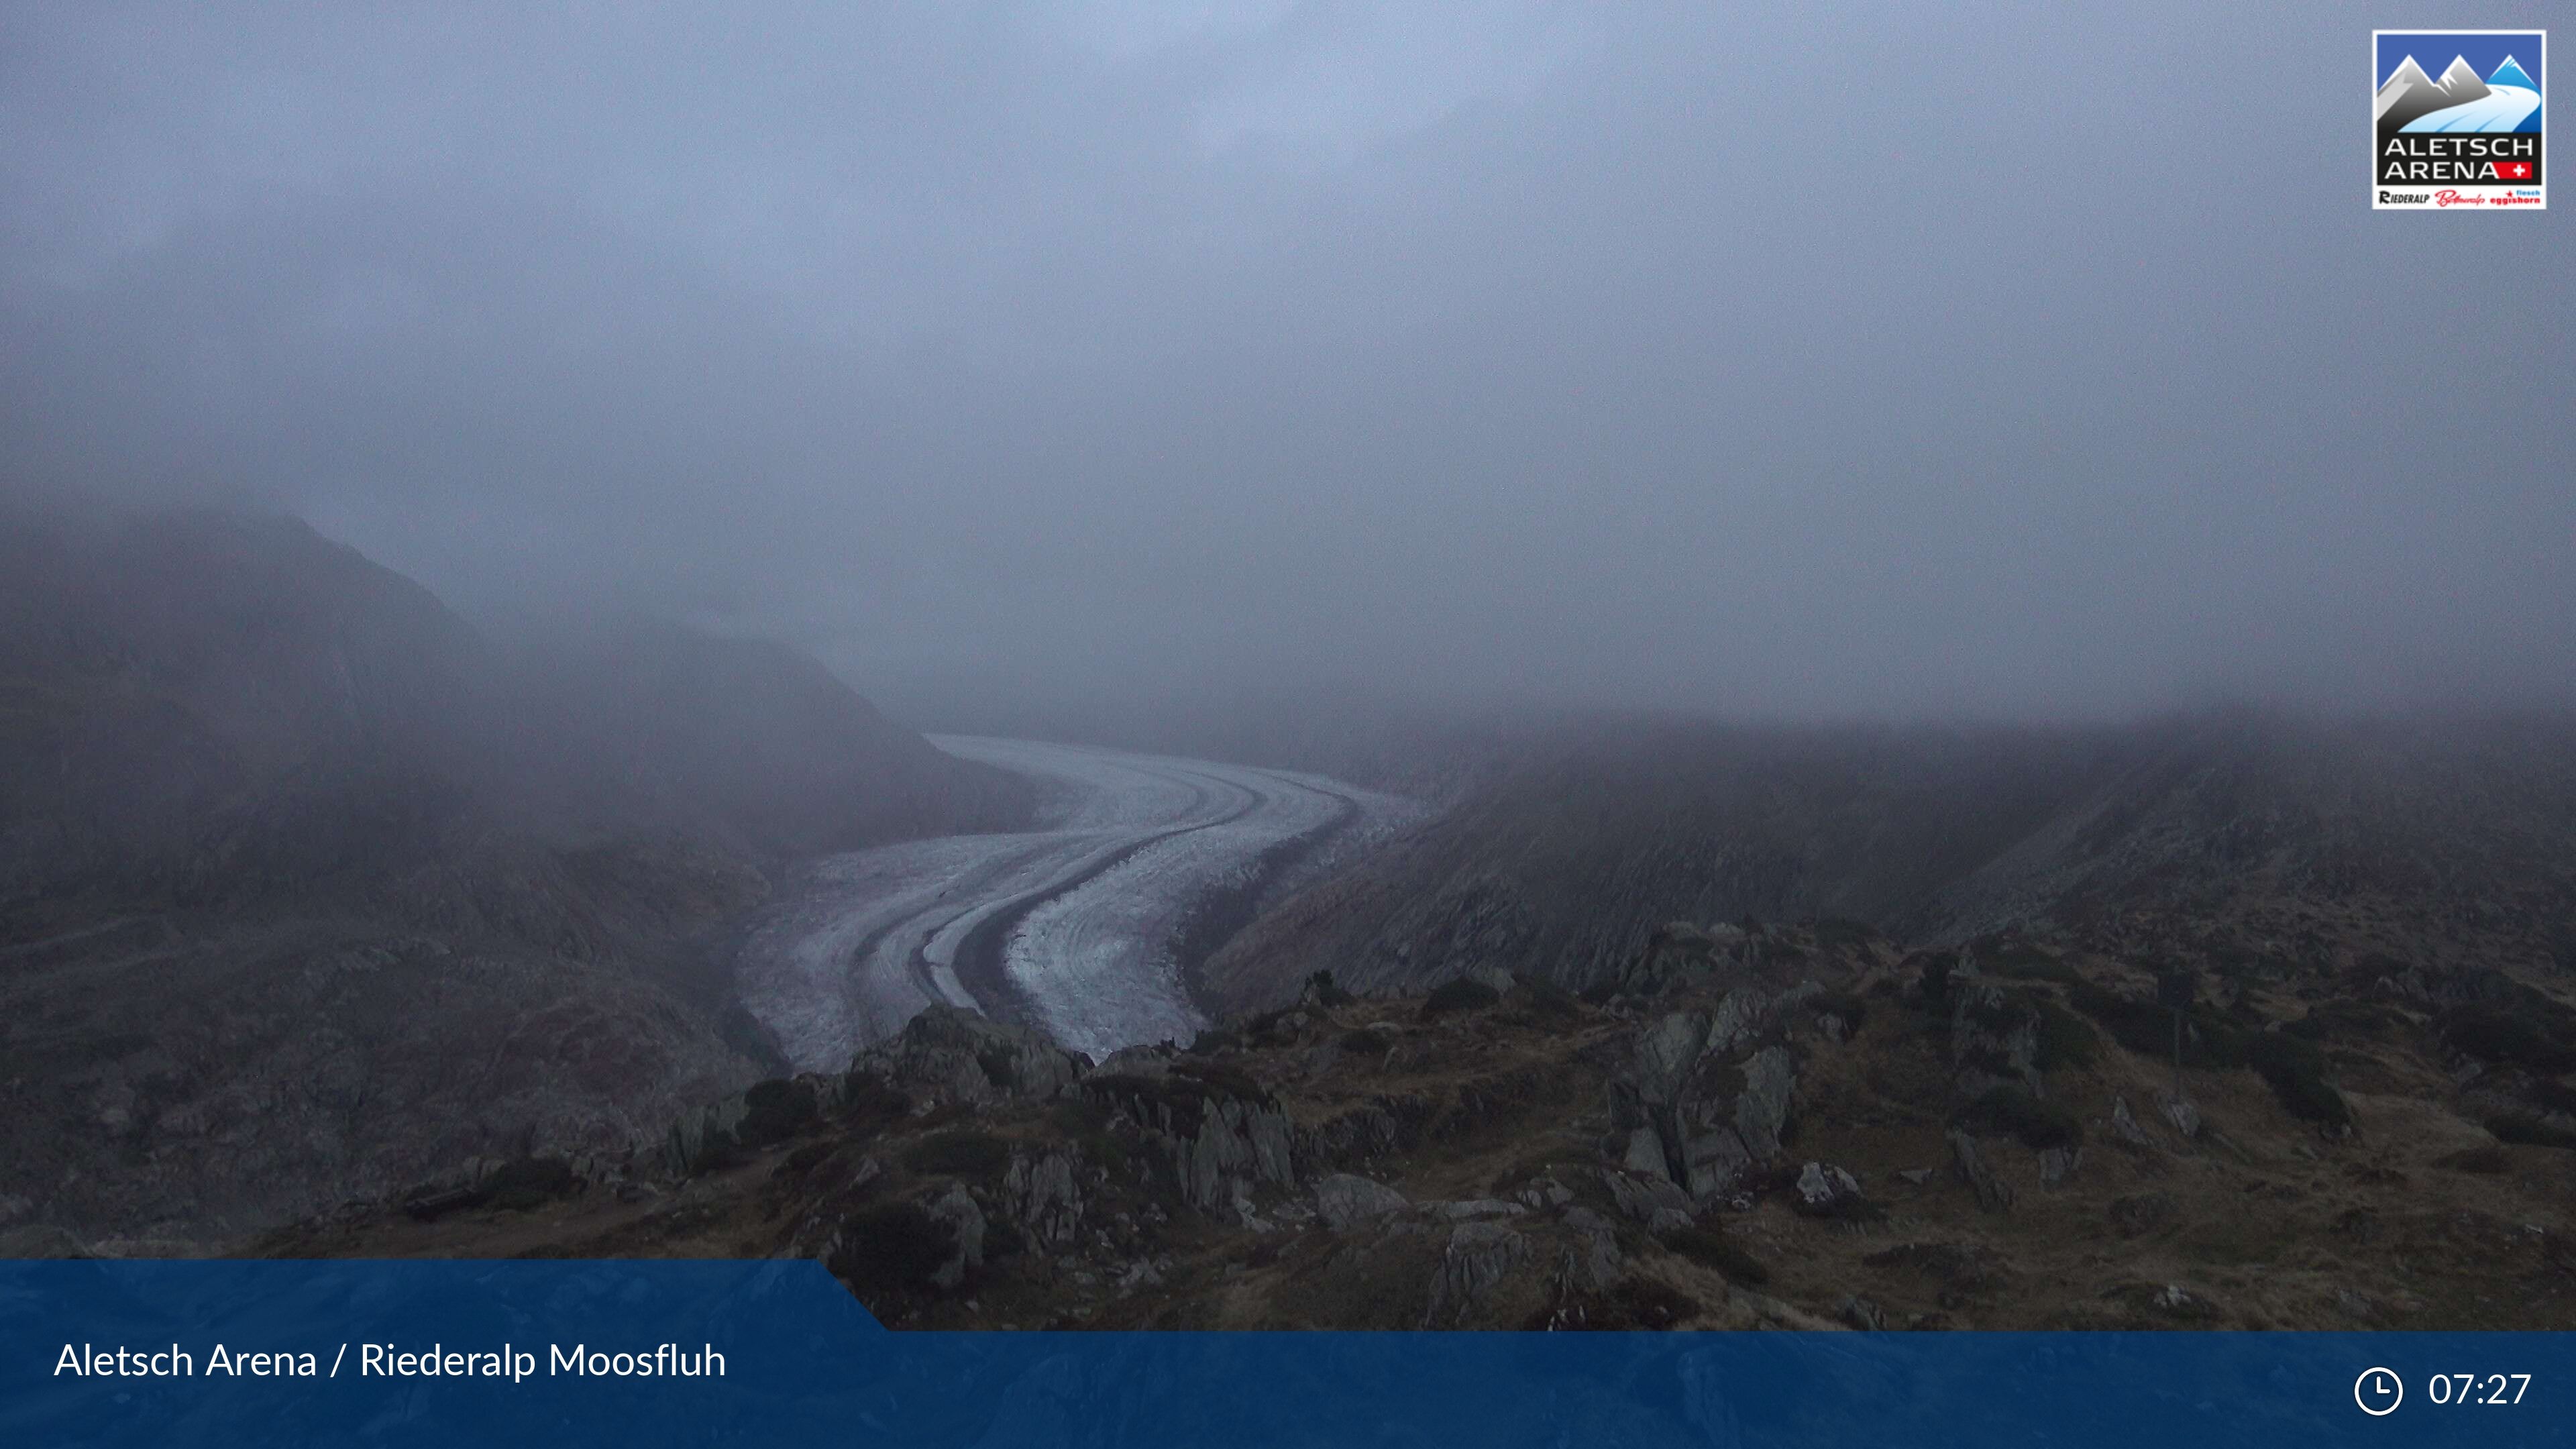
<point>1042,1192</point>
<point>1993,1193</point>
<point>946,1054</point>
<point>1511,1166</point>
<point>1707,1094</point>
<point>1221,1133</point>
<point>1827,1191</point>
<point>1994,1039</point>
<point>757,1116</point>
<point>1479,1256</point>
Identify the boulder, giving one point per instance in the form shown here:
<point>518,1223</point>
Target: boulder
<point>1717,1161</point>
<point>1826,1191</point>
<point>1993,1193</point>
<point>956,1210</point>
<point>1593,1262</point>
<point>1763,1109</point>
<point>2124,1124</point>
<point>1237,1140</point>
<point>1738,1016</point>
<point>1343,1199</point>
<point>2180,1111</point>
<point>1667,1050</point>
<point>1642,1197</point>
<point>1545,1192</point>
<point>2056,1164</point>
<point>1479,1256</point>
<point>1645,1153</point>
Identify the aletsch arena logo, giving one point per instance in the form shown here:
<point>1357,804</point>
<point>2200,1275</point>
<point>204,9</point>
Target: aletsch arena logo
<point>2465,137</point>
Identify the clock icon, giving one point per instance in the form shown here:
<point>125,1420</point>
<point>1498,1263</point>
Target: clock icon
<point>2378,1391</point>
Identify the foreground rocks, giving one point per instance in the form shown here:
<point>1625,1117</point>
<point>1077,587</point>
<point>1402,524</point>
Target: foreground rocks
<point>1710,1145</point>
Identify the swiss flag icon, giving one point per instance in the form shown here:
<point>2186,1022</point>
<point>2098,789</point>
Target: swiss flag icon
<point>2514,170</point>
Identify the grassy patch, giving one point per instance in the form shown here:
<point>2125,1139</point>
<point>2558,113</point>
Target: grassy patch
<point>1085,1122</point>
<point>977,1155</point>
<point>2066,1041</point>
<point>2295,1071</point>
<point>1269,1028</point>
<point>1713,1249</point>
<point>2147,1029</point>
<point>1218,1079</point>
<point>1461,994</point>
<point>2010,1111</point>
<point>2489,1161</point>
<point>1634,1304</point>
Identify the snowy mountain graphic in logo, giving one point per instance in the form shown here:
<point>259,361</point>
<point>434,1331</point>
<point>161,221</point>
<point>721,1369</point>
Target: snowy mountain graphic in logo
<point>2411,101</point>
<point>2464,136</point>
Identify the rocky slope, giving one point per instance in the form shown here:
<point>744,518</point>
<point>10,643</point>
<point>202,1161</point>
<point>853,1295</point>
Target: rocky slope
<point>2457,838</point>
<point>1794,1127</point>
<point>308,887</point>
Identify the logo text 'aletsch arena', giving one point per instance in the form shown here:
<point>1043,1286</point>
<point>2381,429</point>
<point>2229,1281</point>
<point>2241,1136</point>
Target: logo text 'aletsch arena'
<point>2465,137</point>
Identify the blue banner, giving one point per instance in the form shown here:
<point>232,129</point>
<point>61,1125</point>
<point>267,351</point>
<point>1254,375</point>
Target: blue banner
<point>687,1353</point>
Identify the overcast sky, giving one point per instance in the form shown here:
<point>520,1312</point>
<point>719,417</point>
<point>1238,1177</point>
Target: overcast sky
<point>1801,360</point>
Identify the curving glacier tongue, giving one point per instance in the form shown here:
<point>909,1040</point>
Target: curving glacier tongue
<point>1082,926</point>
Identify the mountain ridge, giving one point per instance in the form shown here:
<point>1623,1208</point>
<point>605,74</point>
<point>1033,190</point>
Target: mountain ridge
<point>307,886</point>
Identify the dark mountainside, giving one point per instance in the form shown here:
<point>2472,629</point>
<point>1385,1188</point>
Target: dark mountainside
<point>308,888</point>
<point>2212,838</point>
